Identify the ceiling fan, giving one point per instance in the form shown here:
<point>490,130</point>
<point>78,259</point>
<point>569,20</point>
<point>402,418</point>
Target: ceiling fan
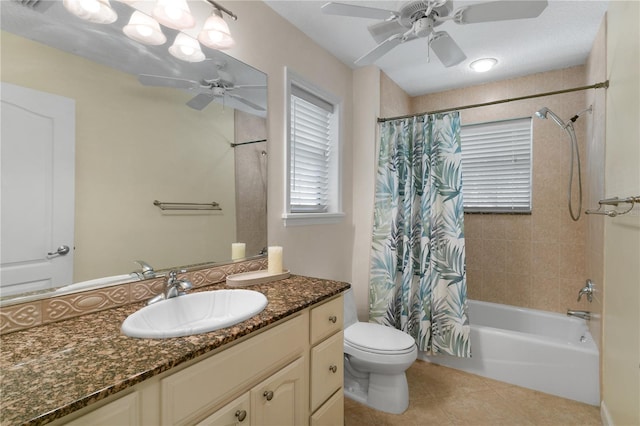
<point>418,19</point>
<point>207,90</point>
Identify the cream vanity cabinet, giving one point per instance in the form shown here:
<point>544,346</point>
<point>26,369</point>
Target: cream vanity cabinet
<point>326,398</point>
<point>290,374</point>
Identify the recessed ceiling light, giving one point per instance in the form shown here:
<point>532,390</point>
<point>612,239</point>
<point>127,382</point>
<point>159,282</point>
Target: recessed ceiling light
<point>483,65</point>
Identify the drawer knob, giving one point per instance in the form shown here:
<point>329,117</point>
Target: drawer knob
<point>333,319</point>
<point>268,395</point>
<point>333,368</point>
<point>241,415</point>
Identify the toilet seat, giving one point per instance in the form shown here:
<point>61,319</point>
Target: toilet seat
<point>378,339</point>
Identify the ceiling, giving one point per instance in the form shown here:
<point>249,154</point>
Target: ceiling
<point>561,37</point>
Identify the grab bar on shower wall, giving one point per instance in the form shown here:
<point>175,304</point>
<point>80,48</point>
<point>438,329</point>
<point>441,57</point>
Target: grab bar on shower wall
<point>187,206</point>
<point>614,202</point>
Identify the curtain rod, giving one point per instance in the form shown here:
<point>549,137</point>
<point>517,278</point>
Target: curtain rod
<point>604,84</point>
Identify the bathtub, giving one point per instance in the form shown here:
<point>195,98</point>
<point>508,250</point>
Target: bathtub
<point>544,351</point>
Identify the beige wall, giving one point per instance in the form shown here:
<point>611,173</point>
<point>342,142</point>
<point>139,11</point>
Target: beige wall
<point>536,260</point>
<point>131,143</point>
<point>268,42</point>
<point>621,307</point>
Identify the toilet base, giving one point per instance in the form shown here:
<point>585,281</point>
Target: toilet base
<point>388,393</point>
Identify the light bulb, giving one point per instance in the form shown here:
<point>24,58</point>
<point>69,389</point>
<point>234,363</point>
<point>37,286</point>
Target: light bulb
<point>96,11</point>
<point>215,32</point>
<point>186,48</point>
<point>483,65</point>
<point>145,29</point>
<point>174,14</point>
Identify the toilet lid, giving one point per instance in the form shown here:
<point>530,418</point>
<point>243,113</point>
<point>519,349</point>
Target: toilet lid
<point>378,338</point>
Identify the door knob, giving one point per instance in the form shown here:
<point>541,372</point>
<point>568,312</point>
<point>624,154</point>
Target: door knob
<point>62,250</point>
<point>268,395</point>
<point>333,319</point>
<point>241,415</point>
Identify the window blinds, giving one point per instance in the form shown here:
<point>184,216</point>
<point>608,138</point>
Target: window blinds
<point>311,120</point>
<point>496,166</point>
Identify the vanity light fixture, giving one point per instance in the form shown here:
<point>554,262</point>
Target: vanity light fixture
<point>174,14</point>
<point>215,32</point>
<point>186,48</point>
<point>483,65</point>
<point>96,11</point>
<point>145,29</point>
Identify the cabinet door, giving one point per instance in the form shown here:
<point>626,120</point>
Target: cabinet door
<point>122,412</point>
<point>237,412</point>
<point>279,400</point>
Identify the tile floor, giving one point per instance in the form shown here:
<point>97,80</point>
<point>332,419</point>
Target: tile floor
<point>444,396</point>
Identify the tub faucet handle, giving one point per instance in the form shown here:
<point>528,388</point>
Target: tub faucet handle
<point>588,290</point>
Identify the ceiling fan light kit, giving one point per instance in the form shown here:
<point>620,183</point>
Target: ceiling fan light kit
<point>418,19</point>
<point>483,65</point>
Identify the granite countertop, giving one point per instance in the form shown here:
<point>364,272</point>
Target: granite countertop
<point>50,371</point>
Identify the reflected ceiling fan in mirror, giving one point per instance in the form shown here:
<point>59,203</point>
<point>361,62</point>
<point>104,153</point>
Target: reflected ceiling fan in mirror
<point>418,19</point>
<point>207,90</point>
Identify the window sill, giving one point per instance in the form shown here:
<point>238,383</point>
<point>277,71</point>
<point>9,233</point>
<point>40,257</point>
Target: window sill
<point>300,219</point>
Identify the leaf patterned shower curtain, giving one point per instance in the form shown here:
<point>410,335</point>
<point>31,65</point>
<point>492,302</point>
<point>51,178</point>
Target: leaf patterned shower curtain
<point>418,280</point>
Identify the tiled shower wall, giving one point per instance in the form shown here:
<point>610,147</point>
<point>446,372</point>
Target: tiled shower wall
<point>535,260</point>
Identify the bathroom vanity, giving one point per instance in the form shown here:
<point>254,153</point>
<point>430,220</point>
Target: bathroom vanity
<point>283,366</point>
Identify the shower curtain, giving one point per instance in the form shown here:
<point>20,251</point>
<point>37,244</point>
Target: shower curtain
<point>417,280</point>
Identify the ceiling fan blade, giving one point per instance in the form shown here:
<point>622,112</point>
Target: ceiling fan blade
<point>385,29</point>
<point>200,101</point>
<point>246,102</point>
<point>343,9</point>
<point>176,83</point>
<point>499,11</point>
<point>446,49</point>
<point>379,51</point>
<point>249,86</point>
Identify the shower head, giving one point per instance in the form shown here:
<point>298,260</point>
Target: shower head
<point>543,112</point>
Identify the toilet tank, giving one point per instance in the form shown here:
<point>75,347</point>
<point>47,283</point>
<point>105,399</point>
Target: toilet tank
<point>350,310</point>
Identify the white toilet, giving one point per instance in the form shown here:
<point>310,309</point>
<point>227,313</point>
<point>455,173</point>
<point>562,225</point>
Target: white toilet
<point>375,360</point>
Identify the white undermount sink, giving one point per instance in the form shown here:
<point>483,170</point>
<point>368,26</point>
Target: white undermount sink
<point>194,313</point>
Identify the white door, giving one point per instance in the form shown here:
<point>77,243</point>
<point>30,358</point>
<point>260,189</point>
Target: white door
<point>37,164</point>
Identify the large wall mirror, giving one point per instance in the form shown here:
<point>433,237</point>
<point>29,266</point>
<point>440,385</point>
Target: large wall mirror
<point>144,132</point>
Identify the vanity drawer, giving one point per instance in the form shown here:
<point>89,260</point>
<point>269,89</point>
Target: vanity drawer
<point>326,369</point>
<point>193,392</point>
<point>331,413</point>
<point>326,319</point>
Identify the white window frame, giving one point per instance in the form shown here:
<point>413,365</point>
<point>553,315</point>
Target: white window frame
<point>513,134</point>
<point>334,213</point>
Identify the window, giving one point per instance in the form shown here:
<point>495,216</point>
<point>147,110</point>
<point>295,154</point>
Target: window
<point>313,130</point>
<point>496,166</point>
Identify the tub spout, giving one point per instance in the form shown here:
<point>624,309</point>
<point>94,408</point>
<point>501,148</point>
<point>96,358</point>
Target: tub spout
<point>585,315</point>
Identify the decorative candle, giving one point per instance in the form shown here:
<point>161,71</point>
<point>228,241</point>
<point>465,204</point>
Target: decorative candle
<point>237,251</point>
<point>275,260</point>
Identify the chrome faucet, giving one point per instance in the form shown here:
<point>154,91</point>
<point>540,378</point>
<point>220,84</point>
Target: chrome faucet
<point>585,315</point>
<point>146,272</point>
<point>588,290</point>
<point>173,287</point>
